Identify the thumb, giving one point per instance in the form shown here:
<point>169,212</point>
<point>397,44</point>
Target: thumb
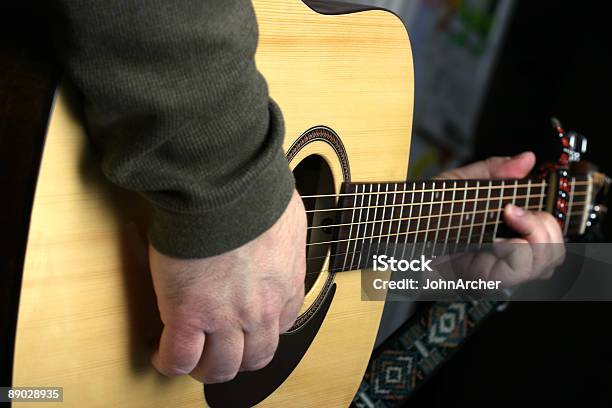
<point>524,223</point>
<point>518,166</point>
<point>179,350</point>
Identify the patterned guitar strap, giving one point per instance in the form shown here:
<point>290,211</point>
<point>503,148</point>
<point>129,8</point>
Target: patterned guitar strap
<point>418,349</point>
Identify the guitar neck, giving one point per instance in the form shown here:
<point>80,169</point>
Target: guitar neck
<point>437,216</point>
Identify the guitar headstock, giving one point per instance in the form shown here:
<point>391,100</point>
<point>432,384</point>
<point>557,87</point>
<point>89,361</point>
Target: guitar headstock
<point>577,193</point>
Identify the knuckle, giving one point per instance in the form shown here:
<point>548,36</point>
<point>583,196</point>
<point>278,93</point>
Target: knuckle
<point>269,314</point>
<point>270,309</point>
<point>547,217</point>
<point>492,162</point>
<point>216,322</point>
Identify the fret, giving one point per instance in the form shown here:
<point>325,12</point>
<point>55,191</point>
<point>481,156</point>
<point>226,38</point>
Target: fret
<point>569,207</point>
<point>499,212</point>
<point>340,246</point>
<point>365,245</point>
<point>475,207</point>
<point>528,193</point>
<point>452,210</point>
<point>457,239</point>
<point>521,196</point>
<point>486,216</point>
<point>365,230</point>
<point>514,201</point>
<point>440,216</point>
<point>394,231</point>
<point>495,199</point>
<point>416,232</point>
<point>409,219</point>
<point>358,227</point>
<point>401,213</point>
<point>369,254</point>
<point>515,191</point>
<point>542,194</point>
<point>582,190</point>
<point>381,212</point>
<point>389,217</point>
<point>430,216</point>
<point>382,218</point>
<point>350,235</point>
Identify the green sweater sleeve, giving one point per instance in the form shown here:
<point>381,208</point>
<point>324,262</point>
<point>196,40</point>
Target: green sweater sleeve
<point>174,102</point>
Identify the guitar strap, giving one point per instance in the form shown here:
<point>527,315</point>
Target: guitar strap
<point>418,349</point>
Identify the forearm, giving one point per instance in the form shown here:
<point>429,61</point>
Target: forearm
<point>180,113</point>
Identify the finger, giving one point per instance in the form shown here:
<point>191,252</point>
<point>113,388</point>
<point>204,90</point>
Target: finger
<point>526,223</point>
<point>517,261</point>
<point>518,166</point>
<point>508,263</point>
<point>541,230</point>
<point>259,347</point>
<point>548,272</point>
<point>179,350</point>
<point>221,358</point>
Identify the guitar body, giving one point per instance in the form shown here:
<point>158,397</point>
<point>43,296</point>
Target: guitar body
<point>87,320</point>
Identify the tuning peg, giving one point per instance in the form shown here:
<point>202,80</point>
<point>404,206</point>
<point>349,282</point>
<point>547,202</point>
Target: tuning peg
<point>573,144</point>
<point>600,209</point>
<point>577,142</point>
<point>597,212</point>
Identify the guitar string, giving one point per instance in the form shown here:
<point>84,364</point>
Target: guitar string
<point>415,190</point>
<point>469,200</point>
<point>461,237</point>
<point>397,234</point>
<point>358,266</point>
<point>464,236</point>
<point>409,232</point>
<point>499,187</point>
<point>409,218</point>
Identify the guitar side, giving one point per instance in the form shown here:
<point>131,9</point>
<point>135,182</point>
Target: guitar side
<point>87,319</point>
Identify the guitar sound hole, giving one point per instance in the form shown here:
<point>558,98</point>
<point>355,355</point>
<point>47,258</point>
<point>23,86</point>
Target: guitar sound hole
<point>314,178</point>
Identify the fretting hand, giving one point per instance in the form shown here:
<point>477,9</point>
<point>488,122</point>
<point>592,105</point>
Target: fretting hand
<point>509,261</point>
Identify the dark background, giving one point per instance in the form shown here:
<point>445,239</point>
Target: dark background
<point>555,62</point>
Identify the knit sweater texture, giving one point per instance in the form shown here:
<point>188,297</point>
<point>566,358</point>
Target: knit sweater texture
<point>175,104</point>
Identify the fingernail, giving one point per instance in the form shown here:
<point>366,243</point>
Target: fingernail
<point>520,155</point>
<point>518,211</point>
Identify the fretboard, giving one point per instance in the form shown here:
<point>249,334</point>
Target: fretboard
<point>435,217</point>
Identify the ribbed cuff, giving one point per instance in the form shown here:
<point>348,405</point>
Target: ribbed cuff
<point>228,227</point>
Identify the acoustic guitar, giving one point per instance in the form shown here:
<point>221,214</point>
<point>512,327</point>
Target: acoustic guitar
<point>85,313</point>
